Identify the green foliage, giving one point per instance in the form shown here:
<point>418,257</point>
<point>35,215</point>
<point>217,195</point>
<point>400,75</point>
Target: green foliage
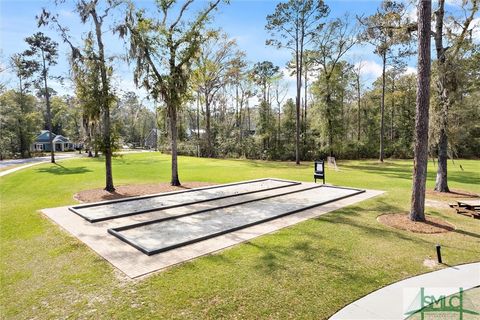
<point>263,74</point>
<point>163,49</point>
<point>294,19</point>
<point>464,92</point>
<point>44,52</point>
<point>134,120</point>
<point>387,28</point>
<point>19,123</point>
<point>218,64</point>
<point>330,94</point>
<point>266,129</point>
<point>90,94</point>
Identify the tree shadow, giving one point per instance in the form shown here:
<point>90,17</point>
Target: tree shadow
<point>274,256</point>
<point>391,171</point>
<point>404,171</point>
<point>439,225</point>
<point>462,194</point>
<point>467,233</point>
<point>58,169</point>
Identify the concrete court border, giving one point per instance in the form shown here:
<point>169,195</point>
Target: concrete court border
<point>117,231</point>
<point>75,209</point>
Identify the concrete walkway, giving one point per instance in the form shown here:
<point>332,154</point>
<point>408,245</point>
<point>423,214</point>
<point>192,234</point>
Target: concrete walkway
<point>25,163</point>
<point>396,300</point>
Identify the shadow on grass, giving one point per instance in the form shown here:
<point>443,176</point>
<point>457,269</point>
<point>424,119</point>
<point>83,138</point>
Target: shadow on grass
<point>58,169</point>
<point>274,257</point>
<point>114,195</point>
<point>278,164</point>
<point>467,233</point>
<point>404,171</point>
<point>397,171</point>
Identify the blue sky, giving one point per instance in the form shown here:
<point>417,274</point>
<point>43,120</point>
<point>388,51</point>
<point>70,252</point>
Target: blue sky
<point>243,20</point>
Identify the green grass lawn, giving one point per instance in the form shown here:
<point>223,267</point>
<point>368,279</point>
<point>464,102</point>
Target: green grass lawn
<point>309,270</point>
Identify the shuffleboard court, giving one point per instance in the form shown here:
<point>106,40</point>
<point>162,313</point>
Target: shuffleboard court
<point>165,234</point>
<point>126,207</point>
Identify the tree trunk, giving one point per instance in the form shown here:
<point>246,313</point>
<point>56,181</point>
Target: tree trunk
<point>441,182</point>
<point>392,130</point>
<point>417,211</point>
<point>305,122</point>
<point>105,106</point>
<point>328,103</point>
<point>198,124</point>
<point>359,108</point>
<point>279,129</point>
<point>240,122</point>
<point>173,131</point>
<point>208,126</point>
<point>49,111</point>
<point>88,130</point>
<point>108,151</point>
<point>297,111</point>
<point>21,134</point>
<point>382,108</point>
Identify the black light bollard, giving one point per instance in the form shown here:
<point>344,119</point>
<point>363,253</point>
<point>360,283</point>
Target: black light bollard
<point>439,253</point>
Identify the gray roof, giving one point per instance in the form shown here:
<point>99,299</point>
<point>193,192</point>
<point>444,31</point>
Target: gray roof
<point>44,137</point>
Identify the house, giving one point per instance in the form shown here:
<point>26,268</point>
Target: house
<point>194,132</point>
<point>60,143</point>
<point>151,141</point>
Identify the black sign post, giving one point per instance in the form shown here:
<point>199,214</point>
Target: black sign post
<point>319,171</point>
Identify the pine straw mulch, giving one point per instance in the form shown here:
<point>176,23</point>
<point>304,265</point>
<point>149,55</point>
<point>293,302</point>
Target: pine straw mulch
<point>450,196</point>
<point>95,195</point>
<point>402,221</point>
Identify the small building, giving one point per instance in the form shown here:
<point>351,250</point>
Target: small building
<point>151,141</point>
<point>195,132</point>
<point>60,143</point>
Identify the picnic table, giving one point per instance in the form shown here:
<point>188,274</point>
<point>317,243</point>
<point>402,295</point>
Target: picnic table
<point>471,206</point>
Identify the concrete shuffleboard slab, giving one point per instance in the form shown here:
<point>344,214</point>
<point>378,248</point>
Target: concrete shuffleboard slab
<point>101,211</point>
<point>222,222</point>
<point>161,235</point>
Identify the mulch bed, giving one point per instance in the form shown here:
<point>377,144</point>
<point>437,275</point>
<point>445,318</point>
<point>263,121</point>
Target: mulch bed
<point>402,221</point>
<point>96,195</point>
<point>453,194</point>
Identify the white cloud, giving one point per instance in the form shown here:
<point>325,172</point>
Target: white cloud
<point>370,68</point>
<point>410,70</point>
<point>412,14</point>
<point>66,13</point>
<point>476,29</point>
<point>288,74</point>
<point>454,2</point>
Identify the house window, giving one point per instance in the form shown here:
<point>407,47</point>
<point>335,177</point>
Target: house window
<point>39,146</point>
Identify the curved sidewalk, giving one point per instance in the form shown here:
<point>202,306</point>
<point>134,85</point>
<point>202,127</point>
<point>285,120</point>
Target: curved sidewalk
<point>26,163</point>
<point>395,300</point>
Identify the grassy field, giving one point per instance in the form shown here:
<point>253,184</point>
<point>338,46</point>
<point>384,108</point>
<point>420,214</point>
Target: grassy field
<point>309,270</point>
